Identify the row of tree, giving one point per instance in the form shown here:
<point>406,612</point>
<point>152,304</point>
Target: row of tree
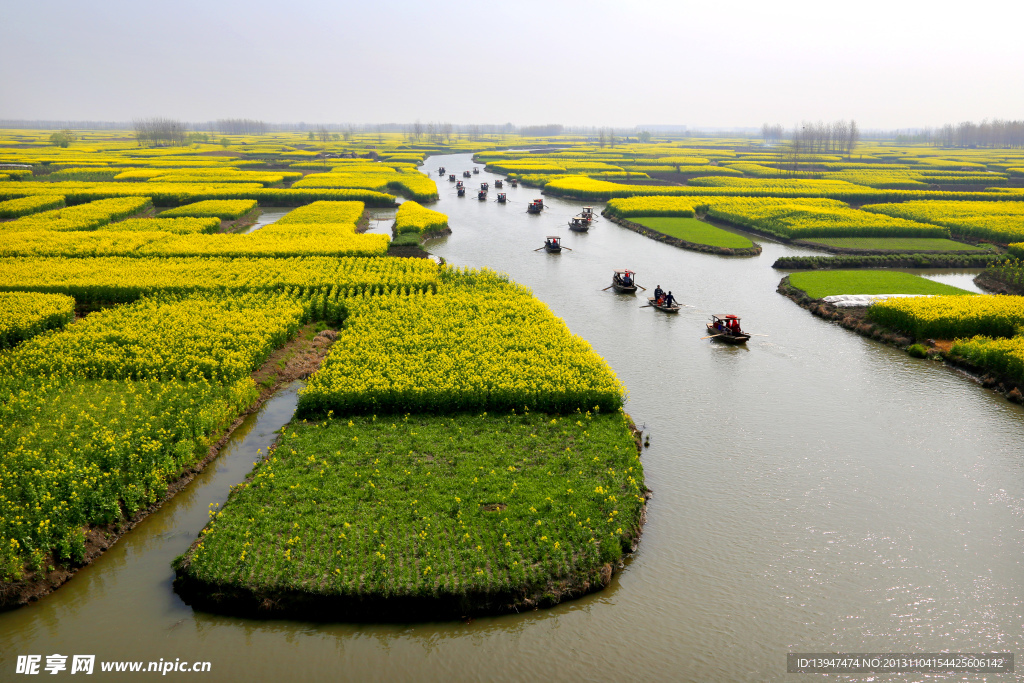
<point>994,133</point>
<point>838,137</point>
<point>240,126</point>
<point>160,132</point>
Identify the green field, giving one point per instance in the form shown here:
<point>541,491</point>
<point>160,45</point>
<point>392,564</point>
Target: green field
<point>896,243</point>
<point>693,230</point>
<point>429,507</point>
<point>818,284</point>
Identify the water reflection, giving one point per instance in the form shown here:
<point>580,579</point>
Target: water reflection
<point>267,216</point>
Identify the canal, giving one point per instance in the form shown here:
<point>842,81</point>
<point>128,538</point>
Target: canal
<point>814,491</point>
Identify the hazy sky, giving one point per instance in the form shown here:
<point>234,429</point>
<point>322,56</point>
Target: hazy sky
<point>887,64</point>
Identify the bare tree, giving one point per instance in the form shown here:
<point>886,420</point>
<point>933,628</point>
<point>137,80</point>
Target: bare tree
<point>852,137</point>
<point>795,150</point>
<point>772,134</point>
<point>240,126</point>
<point>159,132</point>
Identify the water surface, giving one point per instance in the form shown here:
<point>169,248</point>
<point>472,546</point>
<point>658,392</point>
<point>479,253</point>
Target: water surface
<point>813,491</point>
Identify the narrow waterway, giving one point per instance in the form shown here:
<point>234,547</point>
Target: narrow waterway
<point>814,491</point>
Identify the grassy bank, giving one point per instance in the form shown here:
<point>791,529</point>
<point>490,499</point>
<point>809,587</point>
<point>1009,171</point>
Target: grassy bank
<point>436,516</point>
<point>819,284</point>
<point>693,230</point>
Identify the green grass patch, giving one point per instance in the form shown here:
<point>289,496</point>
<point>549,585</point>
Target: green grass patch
<point>429,507</point>
<point>896,243</point>
<point>818,284</point>
<point>694,230</point>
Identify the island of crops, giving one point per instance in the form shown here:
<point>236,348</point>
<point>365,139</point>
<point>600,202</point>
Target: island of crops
<point>483,465</point>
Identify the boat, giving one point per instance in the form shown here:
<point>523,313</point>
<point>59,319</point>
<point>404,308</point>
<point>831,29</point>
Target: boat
<point>587,214</point>
<point>624,281</point>
<point>458,184</point>
<point>536,206</point>
<point>451,177</point>
<point>726,327</point>
<point>501,198</point>
<point>514,181</point>
<point>441,171</point>
<point>466,174</point>
<point>475,170</point>
<point>499,183</point>
<point>553,244</point>
<point>577,224</point>
<point>481,195</point>
<point>461,191</point>
<point>674,308</point>
<point>484,186</point>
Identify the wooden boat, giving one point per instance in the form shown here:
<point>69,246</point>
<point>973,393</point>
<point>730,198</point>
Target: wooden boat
<point>624,281</point>
<point>481,195</point>
<point>553,244</point>
<point>577,224</point>
<point>499,184</point>
<point>475,170</point>
<point>536,206</point>
<point>451,177</point>
<point>484,186</point>
<point>458,183</point>
<point>674,308</point>
<point>441,171</point>
<point>726,327</point>
<point>466,174</point>
<point>461,191</point>
<point>501,198</point>
<point>514,181</point>
<point>587,214</point>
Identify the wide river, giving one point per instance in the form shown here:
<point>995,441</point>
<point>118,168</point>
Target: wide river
<point>814,491</point>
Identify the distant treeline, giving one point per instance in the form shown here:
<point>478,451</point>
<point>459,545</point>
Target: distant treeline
<point>159,131</point>
<point>836,137</point>
<point>994,133</point>
<point>238,126</point>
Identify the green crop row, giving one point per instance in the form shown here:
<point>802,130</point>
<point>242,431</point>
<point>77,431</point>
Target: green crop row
<point>224,209</point>
<point>84,217</point>
<point>479,343</point>
<point>109,280</point>
<point>1005,357</point>
<point>886,261</point>
<point>176,194</point>
<point>26,314</point>
<point>952,317</point>
<point>1001,222</point>
<point>412,217</point>
<point>15,208</point>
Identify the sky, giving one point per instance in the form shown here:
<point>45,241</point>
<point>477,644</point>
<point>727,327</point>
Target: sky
<point>887,65</point>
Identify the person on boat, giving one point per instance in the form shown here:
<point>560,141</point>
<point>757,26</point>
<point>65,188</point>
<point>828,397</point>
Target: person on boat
<point>669,299</point>
<point>734,326</point>
<point>626,280</point>
<point>658,292</point>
